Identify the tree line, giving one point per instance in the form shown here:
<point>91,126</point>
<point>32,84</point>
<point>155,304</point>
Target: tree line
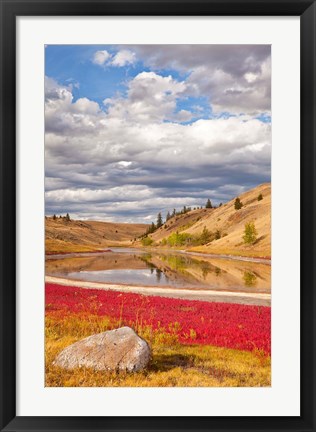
<point>237,205</point>
<point>67,217</point>
<point>186,209</point>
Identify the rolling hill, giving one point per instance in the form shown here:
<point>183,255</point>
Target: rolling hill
<point>62,236</point>
<point>229,223</point>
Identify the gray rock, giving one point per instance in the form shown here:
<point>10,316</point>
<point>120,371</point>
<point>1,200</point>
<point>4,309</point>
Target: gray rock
<point>121,350</point>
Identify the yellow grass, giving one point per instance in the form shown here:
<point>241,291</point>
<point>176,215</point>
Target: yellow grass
<point>84,236</point>
<point>58,246</point>
<point>172,364</point>
<point>230,223</point>
<point>248,253</point>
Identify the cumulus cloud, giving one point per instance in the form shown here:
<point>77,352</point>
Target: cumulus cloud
<point>235,78</point>
<point>139,153</point>
<point>123,57</point>
<point>101,57</point>
<point>120,59</point>
<point>150,98</point>
<point>65,117</point>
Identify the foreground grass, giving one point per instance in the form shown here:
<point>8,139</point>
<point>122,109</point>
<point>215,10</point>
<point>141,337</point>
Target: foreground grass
<point>172,364</point>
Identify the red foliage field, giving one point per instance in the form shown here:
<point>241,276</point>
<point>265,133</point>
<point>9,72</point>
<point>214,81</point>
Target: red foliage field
<point>195,322</point>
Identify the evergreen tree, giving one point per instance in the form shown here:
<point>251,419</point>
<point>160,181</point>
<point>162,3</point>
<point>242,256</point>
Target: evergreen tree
<point>260,197</point>
<point>159,220</point>
<point>54,217</point>
<point>67,217</point>
<point>238,204</point>
<point>168,216</point>
<point>208,204</point>
<point>151,228</point>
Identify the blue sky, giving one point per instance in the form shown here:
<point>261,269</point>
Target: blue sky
<point>171,125</point>
<point>73,65</point>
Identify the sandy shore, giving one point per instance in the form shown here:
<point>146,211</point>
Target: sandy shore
<point>259,299</point>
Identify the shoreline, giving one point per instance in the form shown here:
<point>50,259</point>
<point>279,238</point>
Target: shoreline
<point>258,299</point>
<point>259,260</point>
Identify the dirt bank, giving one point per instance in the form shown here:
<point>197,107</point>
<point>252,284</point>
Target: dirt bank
<point>259,299</point>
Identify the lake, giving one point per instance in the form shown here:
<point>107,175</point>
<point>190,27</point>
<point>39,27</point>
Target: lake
<point>163,268</point>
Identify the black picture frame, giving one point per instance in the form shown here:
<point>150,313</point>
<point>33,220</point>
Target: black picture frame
<point>10,9</point>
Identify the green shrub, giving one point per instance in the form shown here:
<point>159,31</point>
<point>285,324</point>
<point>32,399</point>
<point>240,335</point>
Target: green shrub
<point>186,239</point>
<point>147,241</point>
<point>217,234</point>
<point>250,233</point>
<point>205,237</point>
<point>179,239</point>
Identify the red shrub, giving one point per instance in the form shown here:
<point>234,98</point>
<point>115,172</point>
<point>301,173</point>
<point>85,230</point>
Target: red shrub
<point>222,324</point>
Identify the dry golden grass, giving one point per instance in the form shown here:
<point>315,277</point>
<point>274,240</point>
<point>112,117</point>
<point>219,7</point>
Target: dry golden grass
<point>247,252</point>
<point>59,246</point>
<point>84,236</point>
<point>230,223</point>
<point>172,364</point>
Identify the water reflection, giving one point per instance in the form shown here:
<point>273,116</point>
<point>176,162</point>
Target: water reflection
<point>163,268</point>
<point>250,279</point>
<point>158,275</point>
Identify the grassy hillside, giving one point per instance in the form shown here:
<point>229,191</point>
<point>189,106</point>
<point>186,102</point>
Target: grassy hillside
<point>227,223</point>
<point>84,236</point>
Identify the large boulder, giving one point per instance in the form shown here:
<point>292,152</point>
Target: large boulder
<point>121,350</point>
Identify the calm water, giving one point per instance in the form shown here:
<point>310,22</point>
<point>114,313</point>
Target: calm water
<point>164,269</point>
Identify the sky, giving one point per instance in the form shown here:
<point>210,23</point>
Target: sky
<point>133,130</point>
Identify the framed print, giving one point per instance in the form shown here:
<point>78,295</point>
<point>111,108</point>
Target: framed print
<point>157,215</point>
